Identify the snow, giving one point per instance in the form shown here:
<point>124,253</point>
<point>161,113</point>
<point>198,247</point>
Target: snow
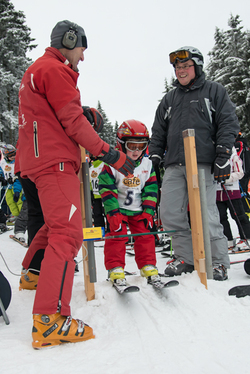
<point>184,329</point>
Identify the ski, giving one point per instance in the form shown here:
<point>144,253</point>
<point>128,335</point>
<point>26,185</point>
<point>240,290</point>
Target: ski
<point>237,251</point>
<point>125,289</point>
<point>240,291</point>
<point>159,284</point>
<point>167,254</point>
<point>18,241</point>
<point>236,262</point>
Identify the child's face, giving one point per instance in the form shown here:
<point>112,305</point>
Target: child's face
<point>134,154</point>
<point>134,148</point>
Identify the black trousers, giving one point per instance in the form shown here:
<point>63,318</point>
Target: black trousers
<point>35,217</point>
<point>243,227</point>
<point>98,213</point>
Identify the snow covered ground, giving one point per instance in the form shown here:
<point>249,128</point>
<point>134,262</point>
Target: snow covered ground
<point>185,329</point>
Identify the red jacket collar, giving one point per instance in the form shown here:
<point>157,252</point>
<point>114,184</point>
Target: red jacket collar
<point>56,53</point>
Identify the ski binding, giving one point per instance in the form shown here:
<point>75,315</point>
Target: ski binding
<point>159,284</point>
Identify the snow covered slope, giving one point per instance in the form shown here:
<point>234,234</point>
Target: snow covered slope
<point>185,329</point>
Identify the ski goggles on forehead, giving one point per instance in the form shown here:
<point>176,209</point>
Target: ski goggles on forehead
<point>136,146</point>
<point>179,55</point>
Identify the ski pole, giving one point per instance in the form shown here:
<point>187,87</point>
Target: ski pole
<point>141,234</point>
<point>4,196</point>
<point>235,214</point>
<point>244,194</point>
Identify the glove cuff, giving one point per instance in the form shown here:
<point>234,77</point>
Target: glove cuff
<point>221,149</point>
<point>151,156</point>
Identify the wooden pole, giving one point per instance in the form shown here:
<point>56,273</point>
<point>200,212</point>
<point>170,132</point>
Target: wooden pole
<point>194,204</point>
<point>89,287</point>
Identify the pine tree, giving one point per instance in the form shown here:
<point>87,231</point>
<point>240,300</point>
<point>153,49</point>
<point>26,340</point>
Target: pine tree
<point>168,87</point>
<point>107,134</point>
<point>115,131</point>
<point>229,65</point>
<point>15,41</point>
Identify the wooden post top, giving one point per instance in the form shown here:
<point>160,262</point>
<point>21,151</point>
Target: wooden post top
<point>187,133</point>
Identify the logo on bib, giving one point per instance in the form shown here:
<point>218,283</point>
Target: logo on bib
<point>131,182</point>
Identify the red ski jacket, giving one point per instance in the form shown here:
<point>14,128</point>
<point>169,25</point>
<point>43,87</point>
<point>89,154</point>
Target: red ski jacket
<point>51,120</point>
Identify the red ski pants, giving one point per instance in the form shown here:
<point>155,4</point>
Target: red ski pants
<point>61,236</point>
<point>144,246</point>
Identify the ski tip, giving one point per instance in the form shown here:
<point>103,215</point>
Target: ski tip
<point>132,289</point>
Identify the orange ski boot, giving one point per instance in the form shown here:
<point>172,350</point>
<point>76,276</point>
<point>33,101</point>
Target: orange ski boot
<point>28,281</point>
<point>53,329</point>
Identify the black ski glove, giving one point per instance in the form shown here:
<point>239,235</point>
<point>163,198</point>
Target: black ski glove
<point>16,196</point>
<point>156,159</point>
<point>10,180</point>
<point>3,181</point>
<point>94,117</point>
<point>221,165</point>
<point>119,160</point>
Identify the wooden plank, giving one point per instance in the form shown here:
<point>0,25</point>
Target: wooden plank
<point>89,287</point>
<point>194,204</point>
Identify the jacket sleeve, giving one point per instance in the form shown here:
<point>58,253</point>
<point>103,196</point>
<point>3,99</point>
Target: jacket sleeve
<point>225,117</point>
<point>158,139</point>
<point>237,170</point>
<point>150,193</point>
<point>108,191</point>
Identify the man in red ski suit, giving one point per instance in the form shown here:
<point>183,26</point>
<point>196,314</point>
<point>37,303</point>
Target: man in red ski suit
<point>52,125</point>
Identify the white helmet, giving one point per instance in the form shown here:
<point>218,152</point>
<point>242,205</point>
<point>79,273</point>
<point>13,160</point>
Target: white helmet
<point>188,53</point>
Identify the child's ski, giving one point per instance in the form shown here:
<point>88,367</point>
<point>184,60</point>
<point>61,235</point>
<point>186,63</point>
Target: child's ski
<point>126,288</point>
<point>159,284</point>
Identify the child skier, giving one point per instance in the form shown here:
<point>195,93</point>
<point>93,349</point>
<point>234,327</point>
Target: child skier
<point>98,211</point>
<point>14,197</point>
<point>229,197</point>
<point>130,201</point>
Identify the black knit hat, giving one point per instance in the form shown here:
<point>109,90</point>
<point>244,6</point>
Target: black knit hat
<point>68,35</point>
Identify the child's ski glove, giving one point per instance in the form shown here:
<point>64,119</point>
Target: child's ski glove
<point>119,160</point>
<point>148,220</point>
<point>16,197</point>
<point>115,222</point>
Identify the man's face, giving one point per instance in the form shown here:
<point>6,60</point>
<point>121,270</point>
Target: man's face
<point>74,56</point>
<point>184,72</point>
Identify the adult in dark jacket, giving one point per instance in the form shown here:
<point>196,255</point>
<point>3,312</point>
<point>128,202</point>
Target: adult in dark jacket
<point>52,125</point>
<point>204,106</point>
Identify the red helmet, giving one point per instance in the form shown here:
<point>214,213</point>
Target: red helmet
<point>128,130</point>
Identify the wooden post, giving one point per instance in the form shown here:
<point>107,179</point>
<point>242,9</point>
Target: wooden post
<point>194,204</point>
<point>89,287</point>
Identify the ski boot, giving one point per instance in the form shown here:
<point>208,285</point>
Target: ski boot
<point>3,228</point>
<point>28,281</point>
<point>116,275</point>
<point>53,329</point>
<point>177,267</point>
<point>150,272</point>
<point>220,273</point>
